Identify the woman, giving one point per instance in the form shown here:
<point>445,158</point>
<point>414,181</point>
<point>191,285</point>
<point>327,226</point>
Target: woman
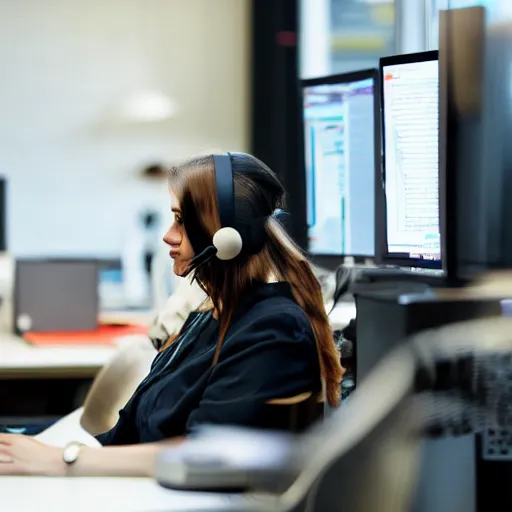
<point>264,336</point>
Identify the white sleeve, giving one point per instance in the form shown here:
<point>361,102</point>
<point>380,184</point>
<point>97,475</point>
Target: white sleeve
<point>187,297</point>
<point>162,278</point>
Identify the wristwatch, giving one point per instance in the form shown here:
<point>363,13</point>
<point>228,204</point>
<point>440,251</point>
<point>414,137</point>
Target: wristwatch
<point>71,452</point>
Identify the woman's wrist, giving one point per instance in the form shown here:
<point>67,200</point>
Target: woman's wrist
<point>57,466</point>
<point>121,461</point>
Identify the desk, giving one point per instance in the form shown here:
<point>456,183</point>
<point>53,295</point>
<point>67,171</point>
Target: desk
<point>41,384</point>
<point>18,494</point>
<point>20,359</point>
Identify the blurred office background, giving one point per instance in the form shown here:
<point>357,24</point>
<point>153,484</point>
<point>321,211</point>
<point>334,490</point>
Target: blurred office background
<point>94,91</point>
<point>338,36</point>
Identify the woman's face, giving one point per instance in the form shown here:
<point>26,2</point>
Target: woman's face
<point>176,238</point>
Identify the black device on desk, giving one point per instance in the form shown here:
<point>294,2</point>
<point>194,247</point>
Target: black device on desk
<point>388,315</point>
<point>55,295</point>
<point>476,151</point>
<point>341,132</point>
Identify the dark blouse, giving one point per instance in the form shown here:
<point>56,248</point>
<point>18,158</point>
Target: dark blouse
<point>269,352</point>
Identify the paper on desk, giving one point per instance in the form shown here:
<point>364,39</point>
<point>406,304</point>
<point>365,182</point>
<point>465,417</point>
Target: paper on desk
<point>104,335</point>
<point>68,429</point>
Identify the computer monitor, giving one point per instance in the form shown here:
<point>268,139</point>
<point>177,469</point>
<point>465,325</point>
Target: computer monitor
<point>341,126</point>
<point>407,192</point>
<point>55,295</point>
<point>3,215</point>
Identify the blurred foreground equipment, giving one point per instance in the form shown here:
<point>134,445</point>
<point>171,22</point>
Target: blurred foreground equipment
<point>443,385</point>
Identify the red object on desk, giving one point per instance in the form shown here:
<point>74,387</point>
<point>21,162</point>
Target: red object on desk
<point>104,335</point>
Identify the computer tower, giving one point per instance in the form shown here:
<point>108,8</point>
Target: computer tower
<point>386,317</point>
<point>455,475</point>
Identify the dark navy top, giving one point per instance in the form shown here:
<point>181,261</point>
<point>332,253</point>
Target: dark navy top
<point>269,352</point>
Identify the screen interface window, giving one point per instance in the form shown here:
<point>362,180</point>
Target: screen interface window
<point>411,133</point>
<point>340,159</point>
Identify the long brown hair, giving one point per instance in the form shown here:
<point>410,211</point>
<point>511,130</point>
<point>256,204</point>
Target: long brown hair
<point>258,193</point>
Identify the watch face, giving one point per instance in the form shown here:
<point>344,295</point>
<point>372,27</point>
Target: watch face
<point>70,453</point>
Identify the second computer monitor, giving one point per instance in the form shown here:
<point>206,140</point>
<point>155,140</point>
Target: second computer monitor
<point>408,203</point>
<point>340,126</point>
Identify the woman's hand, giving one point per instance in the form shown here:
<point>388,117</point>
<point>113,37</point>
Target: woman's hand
<point>22,455</point>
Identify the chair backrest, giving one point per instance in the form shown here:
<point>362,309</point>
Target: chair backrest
<point>346,460</point>
<point>115,384</point>
<point>295,414</point>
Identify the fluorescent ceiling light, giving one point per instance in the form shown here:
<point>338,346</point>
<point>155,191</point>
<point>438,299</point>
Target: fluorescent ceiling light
<point>147,106</point>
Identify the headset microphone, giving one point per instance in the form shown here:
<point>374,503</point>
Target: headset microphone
<point>227,245</point>
<point>201,259</point>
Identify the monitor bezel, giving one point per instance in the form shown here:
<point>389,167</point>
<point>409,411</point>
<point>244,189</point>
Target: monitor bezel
<point>382,255</point>
<point>330,260</point>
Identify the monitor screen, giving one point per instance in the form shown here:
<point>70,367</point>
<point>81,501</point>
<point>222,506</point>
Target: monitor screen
<point>410,115</point>
<point>340,119</point>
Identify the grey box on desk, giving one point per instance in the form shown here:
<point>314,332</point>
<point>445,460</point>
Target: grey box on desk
<point>386,317</point>
<point>56,295</point>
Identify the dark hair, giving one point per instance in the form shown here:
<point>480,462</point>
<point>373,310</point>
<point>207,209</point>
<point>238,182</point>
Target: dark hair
<point>258,193</point>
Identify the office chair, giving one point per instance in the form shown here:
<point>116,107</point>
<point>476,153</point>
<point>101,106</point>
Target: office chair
<point>295,414</point>
<point>115,384</point>
<point>367,456</point>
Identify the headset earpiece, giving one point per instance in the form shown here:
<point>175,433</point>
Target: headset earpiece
<point>228,243</point>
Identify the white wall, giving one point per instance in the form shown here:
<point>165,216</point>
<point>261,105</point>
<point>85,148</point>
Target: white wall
<point>64,64</point>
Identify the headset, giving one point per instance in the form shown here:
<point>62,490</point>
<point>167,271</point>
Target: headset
<point>235,235</point>
<point>228,242</point>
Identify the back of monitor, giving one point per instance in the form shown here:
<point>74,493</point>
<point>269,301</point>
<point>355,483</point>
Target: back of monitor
<point>53,295</point>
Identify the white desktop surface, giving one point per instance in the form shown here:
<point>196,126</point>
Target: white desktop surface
<point>20,494</point>
<point>17,357</point>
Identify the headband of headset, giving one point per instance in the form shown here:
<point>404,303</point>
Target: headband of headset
<point>225,185</point>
